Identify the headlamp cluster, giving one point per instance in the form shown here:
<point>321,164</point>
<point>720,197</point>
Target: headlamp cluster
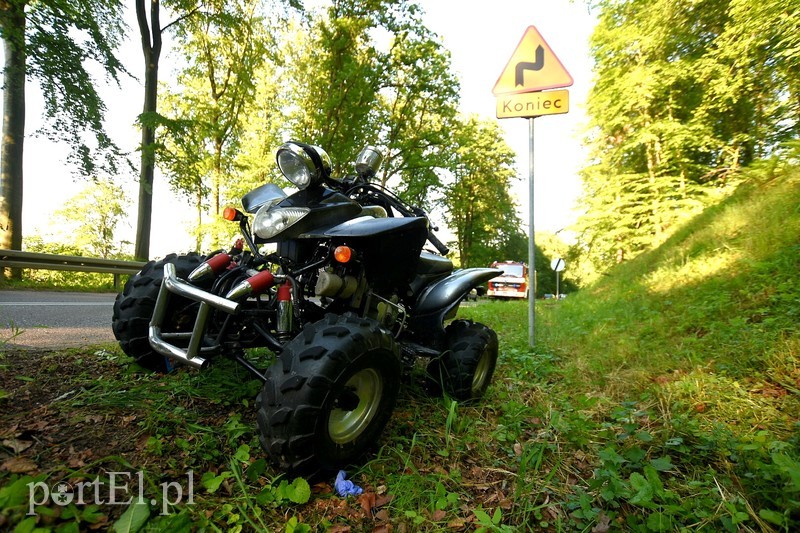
<point>303,164</point>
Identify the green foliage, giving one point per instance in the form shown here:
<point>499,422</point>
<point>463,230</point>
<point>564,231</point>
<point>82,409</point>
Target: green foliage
<point>89,220</point>
<point>548,247</point>
<point>60,40</point>
<point>341,76</point>
<point>223,46</point>
<point>479,208</point>
<point>395,91</point>
<point>698,339</point>
<point>685,96</point>
<point>133,519</point>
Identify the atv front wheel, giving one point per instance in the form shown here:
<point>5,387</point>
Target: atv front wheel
<point>465,369</point>
<point>134,306</point>
<point>329,394</point>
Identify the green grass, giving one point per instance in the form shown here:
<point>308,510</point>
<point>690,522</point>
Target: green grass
<point>54,280</point>
<point>664,398</point>
<point>701,335</point>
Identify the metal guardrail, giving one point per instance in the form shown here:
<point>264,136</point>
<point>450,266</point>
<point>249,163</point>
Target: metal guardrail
<point>35,260</point>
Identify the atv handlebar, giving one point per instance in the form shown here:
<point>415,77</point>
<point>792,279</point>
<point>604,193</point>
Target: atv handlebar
<point>444,250</point>
<point>397,204</point>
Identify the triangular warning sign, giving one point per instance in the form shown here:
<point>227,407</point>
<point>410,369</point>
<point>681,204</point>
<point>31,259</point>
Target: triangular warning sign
<point>533,67</point>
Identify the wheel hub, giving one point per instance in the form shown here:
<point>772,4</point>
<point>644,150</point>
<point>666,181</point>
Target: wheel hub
<point>481,372</point>
<point>356,406</point>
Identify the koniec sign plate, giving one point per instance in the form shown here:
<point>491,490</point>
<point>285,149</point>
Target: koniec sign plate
<point>533,104</point>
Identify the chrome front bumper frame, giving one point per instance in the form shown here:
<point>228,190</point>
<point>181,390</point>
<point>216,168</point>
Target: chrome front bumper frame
<point>171,284</point>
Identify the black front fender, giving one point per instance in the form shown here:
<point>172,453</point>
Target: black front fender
<point>439,299</point>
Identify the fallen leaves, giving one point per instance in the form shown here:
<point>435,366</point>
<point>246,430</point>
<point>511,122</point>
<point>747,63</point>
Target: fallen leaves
<point>369,505</point>
<point>17,445</point>
<point>19,465</point>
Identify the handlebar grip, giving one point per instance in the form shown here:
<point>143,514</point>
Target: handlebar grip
<point>444,250</point>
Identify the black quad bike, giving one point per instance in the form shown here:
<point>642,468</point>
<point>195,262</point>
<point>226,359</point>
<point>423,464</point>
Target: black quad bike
<point>347,301</point>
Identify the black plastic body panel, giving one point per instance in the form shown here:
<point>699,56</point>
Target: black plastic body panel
<point>388,247</point>
<point>440,298</point>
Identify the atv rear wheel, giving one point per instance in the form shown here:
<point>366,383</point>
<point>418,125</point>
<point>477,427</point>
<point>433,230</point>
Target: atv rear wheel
<point>329,394</point>
<point>465,369</point>
<point>134,306</point>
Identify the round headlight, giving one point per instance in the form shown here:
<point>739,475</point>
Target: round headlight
<point>296,165</point>
<point>303,164</point>
<point>368,162</point>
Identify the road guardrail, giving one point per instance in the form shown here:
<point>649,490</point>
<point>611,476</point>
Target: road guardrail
<point>35,260</point>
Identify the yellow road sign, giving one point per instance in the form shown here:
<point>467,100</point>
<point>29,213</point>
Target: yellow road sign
<point>533,67</point>
<point>528,105</point>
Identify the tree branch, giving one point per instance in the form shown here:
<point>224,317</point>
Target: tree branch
<point>180,19</point>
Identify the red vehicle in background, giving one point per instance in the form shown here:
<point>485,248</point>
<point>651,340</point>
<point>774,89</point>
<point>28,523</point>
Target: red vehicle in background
<point>512,283</point>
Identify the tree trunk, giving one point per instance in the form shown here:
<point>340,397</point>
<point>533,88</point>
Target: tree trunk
<point>198,241</point>
<point>217,176</point>
<point>12,18</point>
<point>151,49</point>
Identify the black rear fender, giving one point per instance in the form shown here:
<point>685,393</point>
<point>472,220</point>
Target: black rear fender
<point>440,299</point>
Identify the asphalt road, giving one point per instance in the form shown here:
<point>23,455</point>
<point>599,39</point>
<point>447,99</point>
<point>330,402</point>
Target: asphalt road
<point>53,320</point>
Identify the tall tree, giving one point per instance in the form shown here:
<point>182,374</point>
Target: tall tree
<point>224,47</point>
<point>478,204</point>
<point>417,112</point>
<point>12,24</point>
<point>151,35</point>
<point>685,94</point>
<point>399,93</point>
<point>89,219</point>
<point>52,42</point>
<point>333,65</point>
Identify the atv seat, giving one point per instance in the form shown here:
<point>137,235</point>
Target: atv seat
<point>432,264</point>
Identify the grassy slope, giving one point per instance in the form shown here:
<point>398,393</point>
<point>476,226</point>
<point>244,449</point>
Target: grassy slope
<point>699,339</point>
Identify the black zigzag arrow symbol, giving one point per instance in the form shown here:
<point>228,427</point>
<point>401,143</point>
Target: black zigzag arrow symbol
<point>522,66</point>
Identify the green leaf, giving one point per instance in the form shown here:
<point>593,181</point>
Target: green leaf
<point>299,491</point>
<point>242,453</point>
<point>255,470</point>
<point>266,496</point>
<point>293,525</point>
<point>773,517</point>
<point>655,481</point>
<point>643,488</point>
<point>662,464</point>
<point>789,467</point>
<point>134,518</point>
<point>483,518</point>
<point>92,514</point>
<point>69,527</point>
<point>212,482</point>
<point>659,521</point>
<point>609,455</point>
<point>26,526</point>
<point>635,455</point>
<point>497,517</point>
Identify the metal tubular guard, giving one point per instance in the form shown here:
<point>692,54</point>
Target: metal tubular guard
<point>159,341</point>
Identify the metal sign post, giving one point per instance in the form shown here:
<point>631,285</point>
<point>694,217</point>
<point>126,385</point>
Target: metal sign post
<point>531,242</point>
<point>558,265</point>
<point>523,90</point>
